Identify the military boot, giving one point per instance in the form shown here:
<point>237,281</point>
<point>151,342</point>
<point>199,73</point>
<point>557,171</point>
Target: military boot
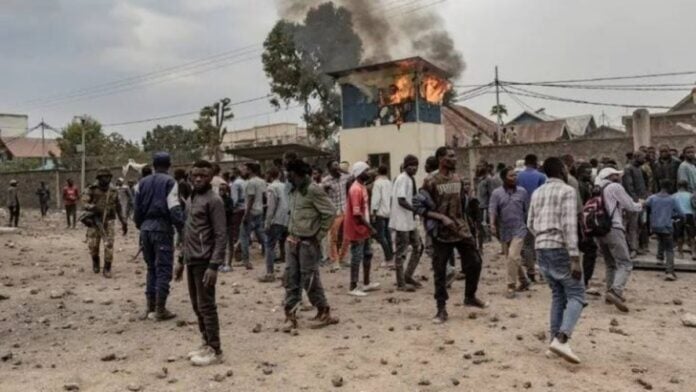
<point>150,312</point>
<point>161,312</point>
<point>96,264</point>
<point>325,318</point>
<point>107,270</point>
<point>291,319</point>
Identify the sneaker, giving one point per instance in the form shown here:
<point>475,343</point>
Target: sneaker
<point>550,354</point>
<point>200,350</point>
<point>225,268</point>
<point>248,266</point>
<point>357,293</point>
<point>593,292</point>
<point>374,286</point>
<point>563,350</point>
<point>206,357</point>
<point>440,317</point>
<point>615,300</point>
<point>268,278</point>
<point>475,302</point>
<point>406,288</point>
<point>670,277</point>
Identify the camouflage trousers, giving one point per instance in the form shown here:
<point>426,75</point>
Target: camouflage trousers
<point>94,238</point>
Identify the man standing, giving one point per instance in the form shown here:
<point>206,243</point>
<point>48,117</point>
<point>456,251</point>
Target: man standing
<point>125,197</point>
<point>204,252</point>
<point>102,201</point>
<point>335,186</point>
<point>403,222</point>
<point>508,211</point>
<point>613,245</point>
<point>217,179</point>
<point>311,214</point>
<point>237,190</point>
<point>13,204</point>
<point>71,194</point>
<point>380,204</point>
<point>445,188</point>
<point>687,169</point>
<point>663,207</point>
<point>44,196</point>
<point>530,179</point>
<point>252,222</point>
<point>357,231</point>
<point>276,223</point>
<point>587,245</point>
<point>553,220</point>
<point>157,212</point>
<point>684,198</point>
<point>635,185</point>
<point>666,167</point>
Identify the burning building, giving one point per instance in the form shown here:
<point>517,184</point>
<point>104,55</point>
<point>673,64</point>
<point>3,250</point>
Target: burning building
<point>390,110</point>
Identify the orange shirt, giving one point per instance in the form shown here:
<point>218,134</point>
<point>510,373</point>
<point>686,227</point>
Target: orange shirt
<point>357,203</point>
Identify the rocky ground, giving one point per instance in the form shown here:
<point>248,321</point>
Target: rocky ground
<point>62,328</point>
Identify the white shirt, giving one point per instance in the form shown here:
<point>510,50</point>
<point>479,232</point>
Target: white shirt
<point>402,219</point>
<point>381,197</point>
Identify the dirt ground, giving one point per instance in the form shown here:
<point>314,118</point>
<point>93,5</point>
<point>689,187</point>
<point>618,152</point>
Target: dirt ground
<point>90,335</point>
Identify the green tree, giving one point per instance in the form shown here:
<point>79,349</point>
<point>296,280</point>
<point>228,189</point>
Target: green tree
<point>499,110</point>
<point>183,144</point>
<point>297,57</point>
<point>210,127</point>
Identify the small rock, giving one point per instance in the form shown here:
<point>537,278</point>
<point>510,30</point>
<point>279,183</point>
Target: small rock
<point>294,332</point>
<point>134,387</point>
<point>541,336</point>
<point>394,372</point>
<point>424,382</point>
<point>527,385</point>
<point>674,380</point>
<point>513,315</point>
<point>57,294</point>
<point>162,374</point>
<point>618,331</point>
<point>181,323</point>
<point>644,384</point>
<point>219,377</point>
<point>467,356</point>
<point>107,302</point>
<point>6,357</point>
<point>391,329</point>
<point>87,301</point>
<point>71,386</point>
<point>494,319</point>
<point>519,337</point>
<point>171,359</point>
<point>614,322</point>
<point>267,371</point>
<point>689,320</point>
<point>4,297</point>
<point>677,302</point>
<point>449,342</point>
<point>229,373</point>
<point>257,328</point>
<point>337,381</point>
<point>383,361</point>
<point>473,316</point>
<point>480,353</point>
<point>455,382</point>
<point>109,357</point>
<point>34,291</point>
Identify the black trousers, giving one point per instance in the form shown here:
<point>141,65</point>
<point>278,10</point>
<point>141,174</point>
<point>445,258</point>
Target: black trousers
<point>203,301</point>
<point>14,216</point>
<point>471,265</point>
<point>71,214</point>
<point>44,208</point>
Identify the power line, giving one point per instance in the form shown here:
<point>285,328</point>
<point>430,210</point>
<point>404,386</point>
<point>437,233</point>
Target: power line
<point>599,87</point>
<point>533,94</point>
<point>523,105</point>
<point>644,76</point>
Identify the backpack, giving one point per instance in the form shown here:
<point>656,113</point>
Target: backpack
<point>596,222</point>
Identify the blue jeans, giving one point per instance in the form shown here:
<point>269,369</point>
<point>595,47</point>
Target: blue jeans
<point>253,225</point>
<point>383,236</point>
<point>275,234</point>
<point>568,294</point>
<point>360,253</point>
<point>158,252</point>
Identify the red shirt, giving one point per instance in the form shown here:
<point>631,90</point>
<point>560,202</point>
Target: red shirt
<point>70,195</point>
<point>357,203</point>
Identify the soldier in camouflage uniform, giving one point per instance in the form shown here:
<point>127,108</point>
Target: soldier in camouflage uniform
<point>101,199</point>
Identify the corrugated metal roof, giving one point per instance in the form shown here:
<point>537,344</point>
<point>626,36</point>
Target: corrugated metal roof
<point>465,123</point>
<point>578,125</point>
<point>30,147</point>
<point>547,131</point>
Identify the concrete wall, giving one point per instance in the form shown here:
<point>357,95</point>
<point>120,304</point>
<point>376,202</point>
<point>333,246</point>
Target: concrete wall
<point>581,149</point>
<point>28,182</point>
<point>419,139</point>
<point>670,124</point>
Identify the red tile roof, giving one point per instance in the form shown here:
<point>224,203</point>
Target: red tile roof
<point>465,123</point>
<point>29,147</point>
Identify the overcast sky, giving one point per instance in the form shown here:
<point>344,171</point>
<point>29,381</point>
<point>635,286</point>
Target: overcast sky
<point>51,48</point>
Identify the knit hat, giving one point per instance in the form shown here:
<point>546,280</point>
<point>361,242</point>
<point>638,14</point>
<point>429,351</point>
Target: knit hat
<point>359,168</point>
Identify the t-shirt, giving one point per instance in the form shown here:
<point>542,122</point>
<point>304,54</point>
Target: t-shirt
<point>446,192</point>
<point>357,203</point>
<point>663,207</point>
<point>684,201</point>
<point>400,218</point>
<point>255,188</point>
<point>70,195</point>
<point>530,179</point>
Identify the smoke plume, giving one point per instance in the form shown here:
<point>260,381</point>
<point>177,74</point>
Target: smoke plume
<point>391,30</point>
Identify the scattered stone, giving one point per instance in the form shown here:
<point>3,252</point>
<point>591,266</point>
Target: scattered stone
<point>337,381</point>
<point>162,374</point>
<point>391,329</point>
<point>455,382</point>
<point>383,361</point>
<point>480,361</point>
<point>527,385</point>
<point>449,342</point>
<point>689,320</point>
<point>219,377</point>
<point>512,315</point>
<point>494,319</point>
<point>480,353</point>
<point>618,331</point>
<point>181,323</point>
<point>229,373</point>
<point>467,356</point>
<point>677,302</point>
<point>71,386</point>
<point>171,359</point>
<point>107,302</point>
<point>541,336</point>
<point>638,370</point>
<point>674,380</point>
<point>294,332</point>
<point>267,371</point>
<point>87,301</point>
<point>4,297</point>
<point>109,357</point>
<point>394,372</point>
<point>57,294</point>
<point>473,316</point>
<point>519,337</point>
<point>614,322</point>
<point>257,328</point>
<point>34,291</point>
<point>6,357</point>
<point>134,387</point>
<point>646,385</point>
<point>550,384</point>
<point>424,382</point>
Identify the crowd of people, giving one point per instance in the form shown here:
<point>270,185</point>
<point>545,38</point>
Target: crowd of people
<point>551,220</point>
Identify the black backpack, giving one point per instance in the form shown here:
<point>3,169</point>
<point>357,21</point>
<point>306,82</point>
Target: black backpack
<point>596,222</point>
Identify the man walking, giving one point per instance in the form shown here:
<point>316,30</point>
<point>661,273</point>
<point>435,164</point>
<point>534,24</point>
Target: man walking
<point>663,207</point>
<point>508,211</point>
<point>13,204</point>
<point>357,231</point>
<point>587,244</point>
<point>311,215</point>
<point>44,195</point>
<point>403,222</point>
<point>380,204</point>
<point>125,197</point>
<point>71,194</point>
<point>553,220</point>
<point>252,222</point>
<point>636,187</point>
<point>204,252</point>
<point>157,212</point>
<point>530,179</point>
<point>101,200</point>
<point>445,189</point>
<point>276,223</point>
<point>613,245</point>
<point>335,186</point>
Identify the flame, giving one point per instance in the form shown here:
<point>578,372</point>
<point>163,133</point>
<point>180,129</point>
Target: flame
<point>402,90</point>
<point>433,89</point>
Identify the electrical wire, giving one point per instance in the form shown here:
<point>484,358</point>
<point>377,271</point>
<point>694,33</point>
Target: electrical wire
<point>644,76</point>
<point>533,94</point>
<point>598,87</point>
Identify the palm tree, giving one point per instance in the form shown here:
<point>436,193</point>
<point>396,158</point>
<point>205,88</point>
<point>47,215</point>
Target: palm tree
<point>499,110</point>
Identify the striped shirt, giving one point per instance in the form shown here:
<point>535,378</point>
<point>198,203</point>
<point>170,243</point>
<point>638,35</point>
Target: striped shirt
<point>553,217</point>
<point>337,190</point>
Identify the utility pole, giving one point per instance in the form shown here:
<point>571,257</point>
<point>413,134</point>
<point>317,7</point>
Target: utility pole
<point>497,105</point>
<point>43,144</point>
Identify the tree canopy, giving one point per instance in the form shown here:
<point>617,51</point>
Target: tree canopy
<point>183,144</point>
